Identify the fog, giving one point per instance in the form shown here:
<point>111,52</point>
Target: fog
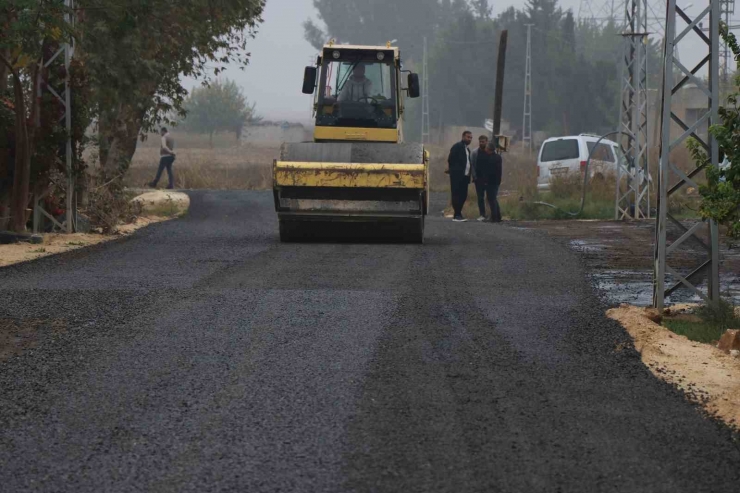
<point>279,53</point>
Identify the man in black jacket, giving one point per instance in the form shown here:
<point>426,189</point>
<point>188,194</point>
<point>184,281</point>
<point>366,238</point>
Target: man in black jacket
<point>488,172</point>
<point>460,170</point>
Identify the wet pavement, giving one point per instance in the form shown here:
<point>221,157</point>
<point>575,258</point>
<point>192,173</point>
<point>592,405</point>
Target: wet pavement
<point>619,258</point>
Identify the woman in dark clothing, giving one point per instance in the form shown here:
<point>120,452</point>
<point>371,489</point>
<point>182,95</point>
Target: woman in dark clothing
<point>488,171</point>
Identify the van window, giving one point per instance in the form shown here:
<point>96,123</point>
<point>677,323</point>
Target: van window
<point>560,150</point>
<point>602,152</point>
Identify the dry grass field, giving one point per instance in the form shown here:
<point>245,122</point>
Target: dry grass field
<point>230,166</point>
<point>226,166</point>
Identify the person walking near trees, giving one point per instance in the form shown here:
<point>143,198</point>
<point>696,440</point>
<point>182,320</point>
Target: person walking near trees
<point>166,159</point>
<point>460,170</point>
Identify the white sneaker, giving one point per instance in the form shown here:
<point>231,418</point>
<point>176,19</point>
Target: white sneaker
<point>481,219</point>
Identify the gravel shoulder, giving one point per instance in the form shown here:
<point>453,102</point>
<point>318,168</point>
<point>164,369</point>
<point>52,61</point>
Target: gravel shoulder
<point>707,375</point>
<point>204,355</point>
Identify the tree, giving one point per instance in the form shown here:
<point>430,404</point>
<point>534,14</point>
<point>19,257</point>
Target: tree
<point>30,29</point>
<point>721,194</point>
<point>481,8</point>
<point>218,107</point>
<point>572,92</point>
<point>462,71</point>
<point>375,21</point>
<point>136,52</point>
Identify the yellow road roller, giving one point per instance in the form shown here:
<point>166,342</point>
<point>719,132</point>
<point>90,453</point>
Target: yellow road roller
<point>357,180</point>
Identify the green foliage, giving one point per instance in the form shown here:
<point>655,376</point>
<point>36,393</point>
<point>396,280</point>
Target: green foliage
<point>130,58</point>
<point>721,194</point>
<point>26,26</point>
<point>695,331</point>
<point>218,107</point>
<point>574,70</point>
<point>597,207</point>
<point>713,322</point>
<point>31,31</point>
<point>575,65</point>
<point>722,315</point>
<point>378,21</point>
<point>137,52</point>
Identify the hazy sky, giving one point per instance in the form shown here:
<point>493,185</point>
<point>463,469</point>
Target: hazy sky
<point>279,53</point>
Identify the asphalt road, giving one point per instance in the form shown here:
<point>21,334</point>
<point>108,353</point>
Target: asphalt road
<point>203,355</point>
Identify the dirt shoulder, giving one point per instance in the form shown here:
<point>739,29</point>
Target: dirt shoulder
<point>155,206</point>
<point>707,375</point>
<point>55,243</point>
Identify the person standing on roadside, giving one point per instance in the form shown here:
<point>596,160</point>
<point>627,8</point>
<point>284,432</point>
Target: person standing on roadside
<point>488,172</point>
<point>460,170</point>
<point>166,159</point>
<point>479,189</point>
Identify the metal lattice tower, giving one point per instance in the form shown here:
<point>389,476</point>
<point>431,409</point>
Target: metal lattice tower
<point>633,187</point>
<point>727,9</point>
<point>600,12</point>
<point>527,118</point>
<point>425,125</point>
<point>672,179</point>
<point>63,54</point>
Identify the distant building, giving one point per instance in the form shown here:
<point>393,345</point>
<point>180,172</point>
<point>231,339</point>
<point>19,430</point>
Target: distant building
<point>689,104</point>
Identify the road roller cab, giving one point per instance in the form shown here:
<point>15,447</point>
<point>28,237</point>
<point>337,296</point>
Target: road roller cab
<point>357,179</point>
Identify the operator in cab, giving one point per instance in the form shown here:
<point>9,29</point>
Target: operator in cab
<point>358,88</point>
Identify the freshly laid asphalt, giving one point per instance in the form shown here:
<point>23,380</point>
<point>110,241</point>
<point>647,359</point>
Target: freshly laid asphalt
<point>203,355</point>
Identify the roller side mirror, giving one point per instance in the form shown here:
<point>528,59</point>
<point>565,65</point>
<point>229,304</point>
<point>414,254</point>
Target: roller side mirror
<point>309,80</point>
<point>414,86</point>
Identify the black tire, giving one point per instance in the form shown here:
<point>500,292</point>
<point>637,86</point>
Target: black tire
<point>415,234</point>
<point>288,234</point>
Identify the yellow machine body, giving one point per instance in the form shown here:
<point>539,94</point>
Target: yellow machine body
<point>347,175</point>
<point>357,180</point>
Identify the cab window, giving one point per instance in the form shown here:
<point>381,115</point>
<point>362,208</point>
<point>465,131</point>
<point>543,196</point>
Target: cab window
<point>560,150</point>
<point>601,152</point>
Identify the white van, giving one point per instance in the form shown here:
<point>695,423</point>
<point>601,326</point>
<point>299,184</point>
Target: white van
<point>562,156</point>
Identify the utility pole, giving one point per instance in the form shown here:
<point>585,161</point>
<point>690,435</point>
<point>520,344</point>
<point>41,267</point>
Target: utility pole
<point>498,101</point>
<point>634,200</point>
<point>527,119</point>
<point>671,178</point>
<point>425,124</point>
<point>727,9</point>
<point>65,53</point>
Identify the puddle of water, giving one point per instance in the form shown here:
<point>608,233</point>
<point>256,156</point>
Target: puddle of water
<point>586,246</point>
<point>636,288</point>
<point>619,286</point>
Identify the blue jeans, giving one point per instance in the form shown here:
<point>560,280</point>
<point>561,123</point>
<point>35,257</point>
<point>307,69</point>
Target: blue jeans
<point>165,162</point>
